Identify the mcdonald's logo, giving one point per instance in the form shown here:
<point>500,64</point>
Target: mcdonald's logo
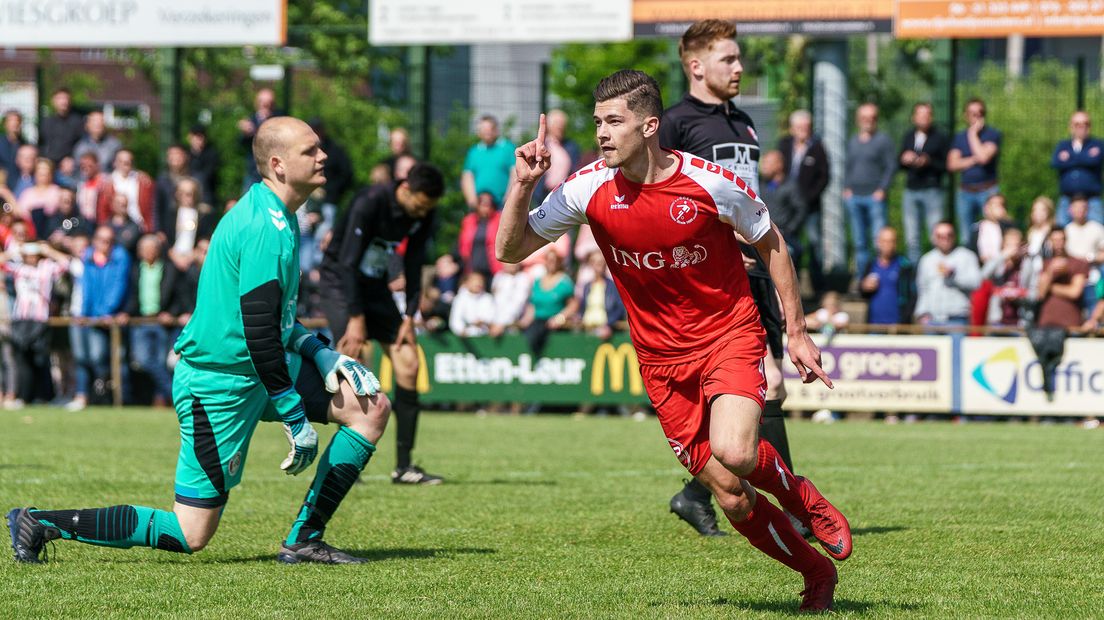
<point>619,360</point>
<point>387,372</point>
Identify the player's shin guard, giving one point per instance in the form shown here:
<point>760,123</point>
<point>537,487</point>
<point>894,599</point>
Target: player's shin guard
<point>338,469</point>
<point>771,532</point>
<point>773,429</point>
<point>406,410</point>
<point>773,476</point>
<point>118,526</point>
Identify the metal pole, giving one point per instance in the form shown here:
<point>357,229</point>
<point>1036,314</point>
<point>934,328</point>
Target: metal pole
<point>289,70</point>
<point>169,79</point>
<point>1080,82</point>
<point>116,365</point>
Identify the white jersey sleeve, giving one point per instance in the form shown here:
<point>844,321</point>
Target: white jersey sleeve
<point>737,203</point>
<point>565,208</point>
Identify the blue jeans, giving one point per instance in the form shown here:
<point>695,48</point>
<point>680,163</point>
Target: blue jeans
<point>867,217</point>
<point>920,205</point>
<point>968,210</point>
<point>815,250</point>
<point>149,345</point>
<point>92,354</point>
<point>78,345</point>
<point>1096,210</point>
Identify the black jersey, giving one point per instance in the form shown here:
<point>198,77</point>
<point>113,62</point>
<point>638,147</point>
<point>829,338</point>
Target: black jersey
<point>365,241</point>
<point>720,133</point>
<point>725,134</point>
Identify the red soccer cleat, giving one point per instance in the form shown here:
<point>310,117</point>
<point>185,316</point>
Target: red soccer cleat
<point>820,589</point>
<point>827,523</point>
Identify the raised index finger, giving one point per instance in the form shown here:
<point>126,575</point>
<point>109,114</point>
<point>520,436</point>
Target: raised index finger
<point>540,131</point>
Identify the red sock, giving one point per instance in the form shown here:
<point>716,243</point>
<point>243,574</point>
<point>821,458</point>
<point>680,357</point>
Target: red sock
<point>772,475</point>
<point>771,532</point>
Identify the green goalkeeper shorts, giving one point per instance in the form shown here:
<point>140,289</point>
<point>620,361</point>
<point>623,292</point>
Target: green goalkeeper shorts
<point>218,412</point>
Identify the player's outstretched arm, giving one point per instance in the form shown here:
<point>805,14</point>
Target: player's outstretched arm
<point>804,353</point>
<point>516,239</point>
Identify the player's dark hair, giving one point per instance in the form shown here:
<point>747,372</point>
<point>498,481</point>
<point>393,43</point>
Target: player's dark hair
<point>974,100</point>
<point>701,35</point>
<point>426,179</point>
<point>639,90</point>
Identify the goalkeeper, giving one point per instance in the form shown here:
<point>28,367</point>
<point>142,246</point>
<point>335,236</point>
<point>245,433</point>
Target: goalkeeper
<point>245,359</point>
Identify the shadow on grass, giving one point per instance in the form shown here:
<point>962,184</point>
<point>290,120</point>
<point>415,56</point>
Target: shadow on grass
<point>789,608</point>
<point>523,482</point>
<point>879,529</point>
<point>377,555</point>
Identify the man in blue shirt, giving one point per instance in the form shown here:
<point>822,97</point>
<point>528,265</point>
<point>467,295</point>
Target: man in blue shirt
<point>1079,161</point>
<point>889,283</point>
<point>489,165</point>
<point>974,153</point>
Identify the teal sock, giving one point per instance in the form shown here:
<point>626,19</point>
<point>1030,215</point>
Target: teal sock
<point>121,527</point>
<point>338,469</point>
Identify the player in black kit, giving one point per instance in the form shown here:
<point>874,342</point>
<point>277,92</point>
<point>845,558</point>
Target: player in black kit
<point>706,123</point>
<point>357,302</point>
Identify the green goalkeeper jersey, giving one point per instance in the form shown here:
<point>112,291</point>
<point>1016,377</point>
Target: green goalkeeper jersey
<point>248,293</point>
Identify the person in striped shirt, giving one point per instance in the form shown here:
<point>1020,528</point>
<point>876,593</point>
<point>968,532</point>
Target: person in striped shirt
<point>34,278</point>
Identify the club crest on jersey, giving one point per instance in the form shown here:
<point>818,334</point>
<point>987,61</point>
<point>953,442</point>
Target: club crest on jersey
<point>277,219</point>
<point>684,210</point>
<point>618,203</point>
<point>682,257</point>
<point>681,453</point>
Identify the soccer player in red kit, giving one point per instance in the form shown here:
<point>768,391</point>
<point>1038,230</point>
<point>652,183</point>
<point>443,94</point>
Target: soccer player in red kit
<point>664,221</point>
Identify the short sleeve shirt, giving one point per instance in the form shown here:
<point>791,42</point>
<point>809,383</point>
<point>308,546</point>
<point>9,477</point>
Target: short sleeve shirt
<point>670,249</point>
<point>490,166</point>
<point>976,175</point>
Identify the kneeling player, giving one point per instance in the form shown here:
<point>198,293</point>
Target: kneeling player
<point>244,359</point>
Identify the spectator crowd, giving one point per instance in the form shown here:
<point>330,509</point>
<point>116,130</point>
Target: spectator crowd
<point>89,236</point>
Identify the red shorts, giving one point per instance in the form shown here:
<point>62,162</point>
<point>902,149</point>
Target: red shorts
<point>682,393</point>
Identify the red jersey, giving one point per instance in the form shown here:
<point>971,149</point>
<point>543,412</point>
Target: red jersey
<point>670,249</point>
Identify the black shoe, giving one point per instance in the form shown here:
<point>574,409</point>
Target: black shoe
<point>29,537</point>
<point>315,551</point>
<point>697,512</point>
<point>414,475</point>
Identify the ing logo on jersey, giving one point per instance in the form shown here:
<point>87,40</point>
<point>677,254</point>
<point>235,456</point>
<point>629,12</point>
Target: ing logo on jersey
<point>684,210</point>
<point>682,257</point>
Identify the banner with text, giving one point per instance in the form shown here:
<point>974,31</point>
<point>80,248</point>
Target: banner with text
<point>571,369</point>
<point>1003,376</point>
<point>878,373</point>
<point>142,23</point>
<point>808,17</point>
<point>978,19</point>
<point>444,22</point>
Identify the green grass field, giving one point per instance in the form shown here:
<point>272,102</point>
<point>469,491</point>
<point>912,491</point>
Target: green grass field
<point>552,517</point>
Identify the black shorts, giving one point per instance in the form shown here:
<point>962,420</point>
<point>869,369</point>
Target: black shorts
<point>762,291</point>
<point>316,398</point>
<point>382,318</point>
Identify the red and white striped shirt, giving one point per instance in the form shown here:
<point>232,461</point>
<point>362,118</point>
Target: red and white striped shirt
<point>33,287</point>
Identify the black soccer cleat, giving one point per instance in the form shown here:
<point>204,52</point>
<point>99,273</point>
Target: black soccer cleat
<point>698,512</point>
<point>29,537</point>
<point>414,475</point>
<point>315,551</point>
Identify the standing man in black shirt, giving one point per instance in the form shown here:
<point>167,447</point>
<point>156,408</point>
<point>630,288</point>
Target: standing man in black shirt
<point>923,157</point>
<point>707,124</point>
<point>357,302</point>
